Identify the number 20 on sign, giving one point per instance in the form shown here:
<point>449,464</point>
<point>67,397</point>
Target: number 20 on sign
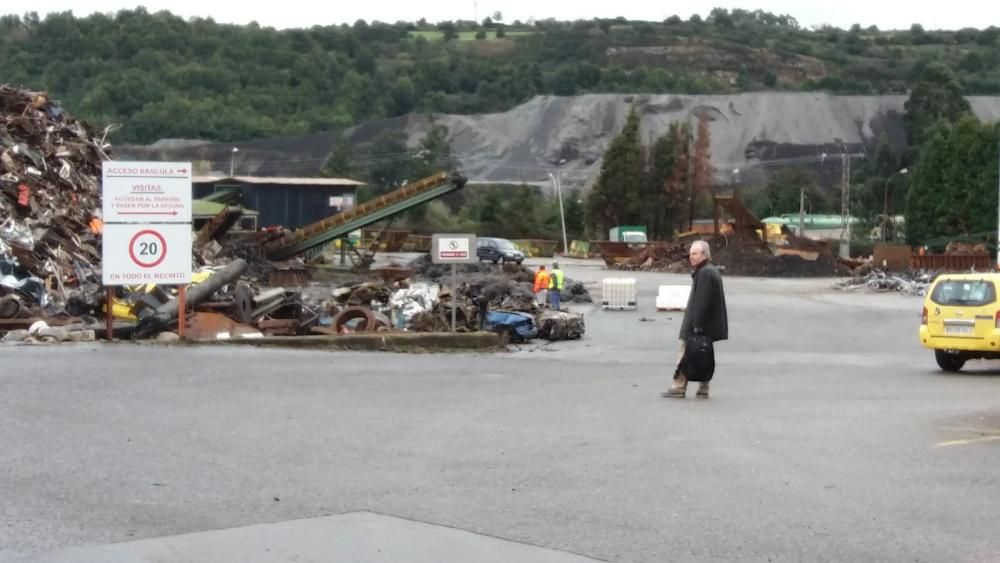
<point>147,248</point>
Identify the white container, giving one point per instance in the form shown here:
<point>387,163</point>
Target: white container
<point>672,297</point>
<point>619,293</point>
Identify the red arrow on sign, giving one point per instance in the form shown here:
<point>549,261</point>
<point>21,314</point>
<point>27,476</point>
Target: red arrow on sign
<point>182,170</point>
<point>147,212</point>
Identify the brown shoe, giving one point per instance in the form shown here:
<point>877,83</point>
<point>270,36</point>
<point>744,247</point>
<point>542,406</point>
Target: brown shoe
<point>674,393</point>
<point>702,391</point>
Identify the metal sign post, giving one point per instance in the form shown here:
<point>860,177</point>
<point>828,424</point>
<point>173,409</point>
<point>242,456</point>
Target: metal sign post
<point>454,294</point>
<point>454,250</point>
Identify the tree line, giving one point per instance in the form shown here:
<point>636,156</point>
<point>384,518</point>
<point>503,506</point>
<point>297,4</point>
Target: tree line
<point>161,76</point>
<point>944,181</point>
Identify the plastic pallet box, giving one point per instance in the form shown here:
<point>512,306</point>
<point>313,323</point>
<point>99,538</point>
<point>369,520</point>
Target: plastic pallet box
<point>619,293</point>
<point>672,297</point>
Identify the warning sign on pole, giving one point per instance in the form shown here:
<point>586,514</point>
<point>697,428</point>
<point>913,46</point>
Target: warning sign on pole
<point>148,253</point>
<point>453,249</point>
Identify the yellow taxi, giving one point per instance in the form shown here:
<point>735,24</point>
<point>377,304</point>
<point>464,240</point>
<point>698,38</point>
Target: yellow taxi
<point>961,319</point>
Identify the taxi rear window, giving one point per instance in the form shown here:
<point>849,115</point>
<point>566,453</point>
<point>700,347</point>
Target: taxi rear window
<point>964,293</point>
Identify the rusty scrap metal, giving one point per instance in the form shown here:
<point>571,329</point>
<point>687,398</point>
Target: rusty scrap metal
<point>50,166</point>
<point>355,319</point>
<point>560,325</point>
<point>913,282</point>
<point>168,312</point>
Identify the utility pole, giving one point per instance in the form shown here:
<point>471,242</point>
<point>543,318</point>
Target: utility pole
<point>557,183</point>
<point>845,204</point>
<point>998,197</point>
<point>802,212</point>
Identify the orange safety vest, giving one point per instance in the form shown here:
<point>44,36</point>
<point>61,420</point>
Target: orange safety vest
<point>541,281</point>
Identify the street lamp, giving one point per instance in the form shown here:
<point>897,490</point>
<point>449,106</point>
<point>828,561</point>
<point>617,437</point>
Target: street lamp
<point>885,203</point>
<point>232,161</point>
<point>557,182</point>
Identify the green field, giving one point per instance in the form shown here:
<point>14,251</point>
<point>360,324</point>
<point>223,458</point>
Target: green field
<point>465,35</point>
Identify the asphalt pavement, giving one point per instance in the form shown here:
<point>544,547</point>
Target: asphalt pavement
<point>830,436</point>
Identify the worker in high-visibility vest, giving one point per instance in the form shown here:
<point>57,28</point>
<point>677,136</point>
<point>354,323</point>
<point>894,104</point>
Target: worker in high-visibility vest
<point>541,286</point>
<point>556,284</point>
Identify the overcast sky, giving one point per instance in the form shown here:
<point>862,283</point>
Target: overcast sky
<point>886,14</point>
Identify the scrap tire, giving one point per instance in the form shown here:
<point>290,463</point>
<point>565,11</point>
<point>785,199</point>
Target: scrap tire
<point>949,362</point>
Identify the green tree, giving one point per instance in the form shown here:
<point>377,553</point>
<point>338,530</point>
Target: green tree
<point>783,194</point>
<point>878,188</point>
<point>449,29</point>
<point>937,95</point>
<point>953,191</point>
<point>661,213</point>
<point>616,197</point>
<point>404,95</point>
<point>575,212</point>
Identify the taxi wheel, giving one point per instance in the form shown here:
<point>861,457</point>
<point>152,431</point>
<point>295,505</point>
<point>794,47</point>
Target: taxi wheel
<point>948,362</point>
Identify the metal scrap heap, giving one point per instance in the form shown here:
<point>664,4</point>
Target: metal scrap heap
<point>50,167</point>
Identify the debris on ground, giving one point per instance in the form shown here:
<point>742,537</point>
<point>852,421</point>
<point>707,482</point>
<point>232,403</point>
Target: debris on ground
<point>910,282</point>
<point>50,263</point>
<point>560,325</point>
<point>743,254</point>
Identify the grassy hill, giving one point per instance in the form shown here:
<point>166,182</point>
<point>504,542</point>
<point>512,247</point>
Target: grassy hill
<point>160,76</point>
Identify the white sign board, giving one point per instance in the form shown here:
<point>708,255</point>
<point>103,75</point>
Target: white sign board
<point>141,254</point>
<point>453,249</point>
<point>146,192</point>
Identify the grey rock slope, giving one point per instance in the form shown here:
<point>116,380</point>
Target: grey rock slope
<point>750,132</point>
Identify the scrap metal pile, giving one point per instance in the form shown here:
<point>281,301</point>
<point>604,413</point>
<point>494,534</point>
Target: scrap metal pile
<point>911,282</point>
<point>50,263</point>
<point>50,166</point>
<point>496,298</point>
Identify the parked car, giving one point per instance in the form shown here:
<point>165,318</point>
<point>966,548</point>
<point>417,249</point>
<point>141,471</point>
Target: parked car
<point>498,250</point>
<point>961,319</point>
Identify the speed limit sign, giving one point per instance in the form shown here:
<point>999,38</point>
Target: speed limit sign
<point>147,248</point>
<point>141,254</point>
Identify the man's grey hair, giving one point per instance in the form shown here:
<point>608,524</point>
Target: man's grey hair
<point>704,247</point>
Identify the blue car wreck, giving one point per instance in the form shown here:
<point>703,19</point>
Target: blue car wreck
<point>520,327</point>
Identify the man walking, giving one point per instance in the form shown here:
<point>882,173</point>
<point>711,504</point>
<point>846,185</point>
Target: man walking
<point>705,313</point>
<point>541,286</point>
<point>556,280</point>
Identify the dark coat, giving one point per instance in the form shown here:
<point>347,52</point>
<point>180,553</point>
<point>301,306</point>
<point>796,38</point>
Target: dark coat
<point>706,307</point>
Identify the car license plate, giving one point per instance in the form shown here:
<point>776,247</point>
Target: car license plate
<point>959,330</point>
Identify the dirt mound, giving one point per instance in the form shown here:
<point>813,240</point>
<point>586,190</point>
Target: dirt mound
<point>742,255</point>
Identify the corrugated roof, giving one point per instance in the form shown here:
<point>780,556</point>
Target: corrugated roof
<point>201,208</point>
<point>280,180</point>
